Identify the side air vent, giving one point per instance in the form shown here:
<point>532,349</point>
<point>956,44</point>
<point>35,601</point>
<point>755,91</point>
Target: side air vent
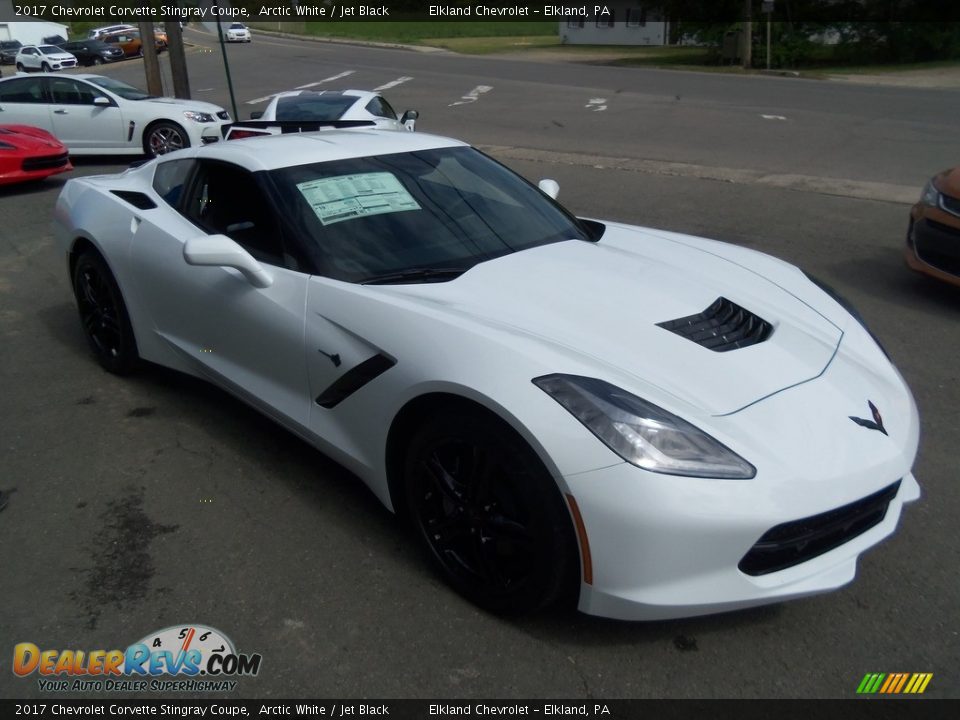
<point>137,199</point>
<point>721,327</point>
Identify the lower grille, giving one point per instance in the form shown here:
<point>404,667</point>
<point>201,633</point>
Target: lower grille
<point>938,245</point>
<point>796,542</point>
<point>950,204</point>
<point>45,163</point>
<point>721,327</point>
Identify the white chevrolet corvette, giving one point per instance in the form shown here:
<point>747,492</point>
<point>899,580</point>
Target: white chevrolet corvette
<point>657,424</point>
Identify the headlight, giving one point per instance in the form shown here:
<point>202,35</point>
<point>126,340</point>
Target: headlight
<point>200,117</point>
<point>642,433</point>
<point>930,195</point>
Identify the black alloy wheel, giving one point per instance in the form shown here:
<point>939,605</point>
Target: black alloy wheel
<point>490,515</point>
<point>103,315</point>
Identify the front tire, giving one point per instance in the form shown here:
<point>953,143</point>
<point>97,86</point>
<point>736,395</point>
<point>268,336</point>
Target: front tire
<point>45,67</point>
<point>103,315</point>
<point>164,137</point>
<point>97,61</point>
<point>488,513</point>
<point>20,68</point>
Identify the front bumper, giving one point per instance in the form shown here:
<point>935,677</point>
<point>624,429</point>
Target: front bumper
<point>666,546</point>
<point>933,246</point>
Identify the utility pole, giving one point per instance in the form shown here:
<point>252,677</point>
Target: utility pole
<point>151,65</point>
<point>747,55</point>
<point>178,60</point>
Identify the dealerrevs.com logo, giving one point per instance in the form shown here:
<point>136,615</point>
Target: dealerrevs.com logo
<point>177,658</point>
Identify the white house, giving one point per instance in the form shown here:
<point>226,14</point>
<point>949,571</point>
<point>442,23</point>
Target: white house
<point>620,22</point>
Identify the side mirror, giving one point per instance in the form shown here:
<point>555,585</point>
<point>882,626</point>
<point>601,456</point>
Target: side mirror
<point>256,115</point>
<point>221,251</point>
<point>550,188</point>
<point>409,119</point>
<point>101,101</point>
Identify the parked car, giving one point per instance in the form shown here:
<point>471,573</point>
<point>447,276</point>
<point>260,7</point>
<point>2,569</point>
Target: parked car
<point>29,153</point>
<point>93,52</point>
<point>237,32</point>
<point>96,33</point>
<point>933,235</point>
<point>94,114</point>
<point>662,424</point>
<point>131,43</point>
<point>44,57</point>
<point>8,51</point>
<point>311,106</point>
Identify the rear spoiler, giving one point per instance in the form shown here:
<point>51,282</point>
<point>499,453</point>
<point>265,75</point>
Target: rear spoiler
<point>252,128</point>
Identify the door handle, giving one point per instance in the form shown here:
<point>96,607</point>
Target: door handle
<point>61,112</point>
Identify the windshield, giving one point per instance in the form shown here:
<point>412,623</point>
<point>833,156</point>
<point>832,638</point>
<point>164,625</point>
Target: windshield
<point>449,208</point>
<point>312,106</point>
<point>50,49</point>
<point>127,92</point>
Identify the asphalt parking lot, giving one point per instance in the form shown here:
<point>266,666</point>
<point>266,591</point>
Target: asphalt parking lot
<point>142,503</point>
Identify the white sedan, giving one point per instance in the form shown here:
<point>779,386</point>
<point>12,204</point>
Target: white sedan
<point>45,58</point>
<point>94,114</point>
<point>656,424</point>
<point>237,32</point>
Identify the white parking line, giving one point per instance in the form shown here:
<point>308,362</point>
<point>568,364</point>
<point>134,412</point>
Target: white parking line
<point>325,80</point>
<point>597,104</point>
<point>473,95</point>
<point>302,87</point>
<point>773,117</point>
<point>393,83</point>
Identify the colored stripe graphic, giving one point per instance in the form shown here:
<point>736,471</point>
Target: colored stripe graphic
<point>894,683</point>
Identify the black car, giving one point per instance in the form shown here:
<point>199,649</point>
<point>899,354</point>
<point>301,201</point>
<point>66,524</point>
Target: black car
<point>8,51</point>
<point>93,52</point>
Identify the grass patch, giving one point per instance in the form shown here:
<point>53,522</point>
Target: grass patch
<point>420,32</point>
<point>487,45</point>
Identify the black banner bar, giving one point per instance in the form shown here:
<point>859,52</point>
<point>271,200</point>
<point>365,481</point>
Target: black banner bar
<point>873,708</point>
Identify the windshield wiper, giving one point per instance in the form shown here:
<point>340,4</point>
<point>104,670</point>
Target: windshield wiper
<point>414,275</point>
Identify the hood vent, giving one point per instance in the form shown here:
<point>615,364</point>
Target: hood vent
<point>721,327</point>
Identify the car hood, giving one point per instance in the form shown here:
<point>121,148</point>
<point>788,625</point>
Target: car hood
<point>948,182</point>
<point>30,139</point>
<point>194,105</point>
<point>60,56</point>
<point>600,303</point>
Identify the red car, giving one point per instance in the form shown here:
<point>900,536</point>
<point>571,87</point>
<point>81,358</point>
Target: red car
<point>29,153</point>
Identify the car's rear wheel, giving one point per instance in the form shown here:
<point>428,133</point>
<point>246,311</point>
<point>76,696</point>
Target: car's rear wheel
<point>103,314</point>
<point>164,137</point>
<point>488,512</point>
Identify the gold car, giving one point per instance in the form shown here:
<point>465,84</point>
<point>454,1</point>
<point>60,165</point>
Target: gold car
<point>933,237</point>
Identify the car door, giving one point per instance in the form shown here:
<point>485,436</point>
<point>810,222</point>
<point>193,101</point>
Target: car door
<point>245,338</point>
<point>78,121</point>
<point>23,101</point>
<point>30,58</point>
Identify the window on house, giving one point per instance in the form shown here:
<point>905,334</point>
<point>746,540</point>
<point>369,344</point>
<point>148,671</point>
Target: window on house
<point>637,17</point>
<point>574,23</point>
<point>606,21</point>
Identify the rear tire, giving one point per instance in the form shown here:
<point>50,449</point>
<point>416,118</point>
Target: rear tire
<point>103,315</point>
<point>488,513</point>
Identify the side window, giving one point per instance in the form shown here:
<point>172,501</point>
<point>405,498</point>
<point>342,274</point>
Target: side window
<point>227,200</point>
<point>22,90</point>
<point>70,92</point>
<point>381,108</point>
<point>169,179</point>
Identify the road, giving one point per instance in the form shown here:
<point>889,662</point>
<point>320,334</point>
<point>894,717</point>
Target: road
<point>156,501</point>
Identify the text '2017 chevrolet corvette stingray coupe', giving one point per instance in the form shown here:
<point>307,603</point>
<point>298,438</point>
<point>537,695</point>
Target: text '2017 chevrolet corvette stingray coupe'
<point>656,424</point>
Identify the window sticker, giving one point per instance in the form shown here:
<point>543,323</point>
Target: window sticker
<point>346,197</point>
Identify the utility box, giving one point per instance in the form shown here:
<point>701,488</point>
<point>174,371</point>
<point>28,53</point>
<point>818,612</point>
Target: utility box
<point>730,50</point>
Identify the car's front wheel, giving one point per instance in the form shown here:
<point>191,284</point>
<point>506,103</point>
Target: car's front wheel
<point>103,314</point>
<point>164,137</point>
<point>97,61</point>
<point>489,513</point>
<point>20,67</point>
<point>45,67</point>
